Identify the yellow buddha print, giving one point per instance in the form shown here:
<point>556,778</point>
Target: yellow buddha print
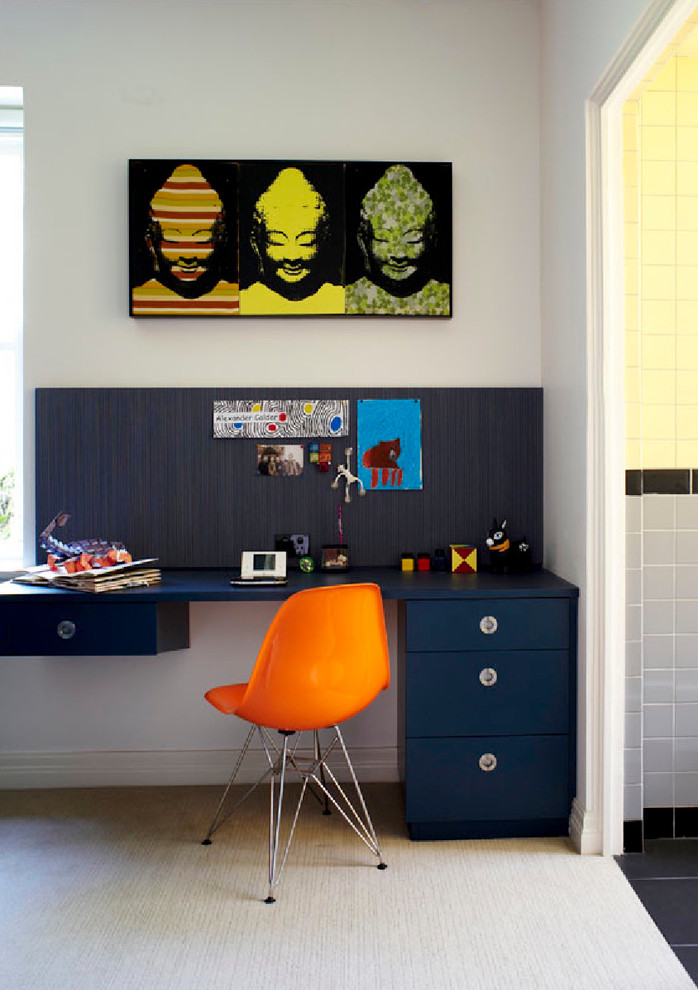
<point>288,236</point>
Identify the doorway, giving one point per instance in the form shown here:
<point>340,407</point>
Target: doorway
<point>621,296</point>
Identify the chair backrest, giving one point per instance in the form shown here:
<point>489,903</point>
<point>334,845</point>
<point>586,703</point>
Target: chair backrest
<point>324,658</point>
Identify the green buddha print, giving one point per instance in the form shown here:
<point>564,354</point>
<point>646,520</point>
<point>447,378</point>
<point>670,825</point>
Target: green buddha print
<point>397,235</point>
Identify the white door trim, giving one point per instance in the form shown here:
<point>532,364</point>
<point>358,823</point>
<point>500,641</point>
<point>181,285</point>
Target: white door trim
<point>605,564</point>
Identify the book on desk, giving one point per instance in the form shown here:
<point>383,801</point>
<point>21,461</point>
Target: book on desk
<point>119,577</point>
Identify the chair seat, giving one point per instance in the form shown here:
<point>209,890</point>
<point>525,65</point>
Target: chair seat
<point>227,697</point>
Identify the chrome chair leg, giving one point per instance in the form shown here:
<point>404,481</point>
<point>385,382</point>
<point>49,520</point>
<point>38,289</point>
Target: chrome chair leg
<point>313,771</point>
<point>325,800</point>
<point>275,808</point>
<point>363,826</point>
<point>215,824</point>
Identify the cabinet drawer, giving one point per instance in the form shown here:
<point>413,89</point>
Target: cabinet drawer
<point>476,693</point>
<point>519,623</point>
<point>67,628</point>
<point>444,780</point>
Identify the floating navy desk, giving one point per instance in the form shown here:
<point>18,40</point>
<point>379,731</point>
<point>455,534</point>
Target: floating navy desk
<point>486,676</point>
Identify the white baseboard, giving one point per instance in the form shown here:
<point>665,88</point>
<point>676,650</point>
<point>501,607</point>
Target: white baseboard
<point>89,768</point>
<point>584,831</point>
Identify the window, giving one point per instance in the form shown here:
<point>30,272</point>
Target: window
<point>11,253</point>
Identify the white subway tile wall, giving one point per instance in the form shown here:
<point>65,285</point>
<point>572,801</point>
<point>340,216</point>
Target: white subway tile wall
<point>662,703</point>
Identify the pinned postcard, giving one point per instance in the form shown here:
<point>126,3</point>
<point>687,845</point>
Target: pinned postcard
<point>280,460</point>
<point>389,438</point>
<point>281,418</point>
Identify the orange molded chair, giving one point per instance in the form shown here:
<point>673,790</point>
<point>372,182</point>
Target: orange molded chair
<point>324,658</point>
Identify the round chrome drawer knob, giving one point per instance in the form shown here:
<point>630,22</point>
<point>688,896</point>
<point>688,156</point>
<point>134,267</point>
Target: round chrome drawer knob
<point>66,629</point>
<point>487,762</point>
<point>488,676</point>
<point>488,625</point>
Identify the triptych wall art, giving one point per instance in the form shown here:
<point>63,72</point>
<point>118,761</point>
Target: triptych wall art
<point>283,238</point>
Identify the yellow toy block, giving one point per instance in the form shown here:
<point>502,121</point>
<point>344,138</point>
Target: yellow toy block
<point>463,558</point>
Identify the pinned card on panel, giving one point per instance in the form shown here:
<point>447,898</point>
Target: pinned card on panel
<point>389,435</point>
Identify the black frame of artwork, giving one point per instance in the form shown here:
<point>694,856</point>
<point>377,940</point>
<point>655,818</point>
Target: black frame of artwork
<point>291,238</point>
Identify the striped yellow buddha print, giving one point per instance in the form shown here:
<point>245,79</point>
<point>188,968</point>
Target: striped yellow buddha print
<point>185,232</point>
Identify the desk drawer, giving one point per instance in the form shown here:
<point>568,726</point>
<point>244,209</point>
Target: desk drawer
<point>519,623</point>
<point>445,781</point>
<point>67,628</point>
<point>469,694</point>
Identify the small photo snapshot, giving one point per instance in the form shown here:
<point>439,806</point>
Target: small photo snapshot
<point>282,460</point>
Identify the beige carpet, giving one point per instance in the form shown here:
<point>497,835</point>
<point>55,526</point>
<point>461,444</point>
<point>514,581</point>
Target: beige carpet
<point>109,889</point>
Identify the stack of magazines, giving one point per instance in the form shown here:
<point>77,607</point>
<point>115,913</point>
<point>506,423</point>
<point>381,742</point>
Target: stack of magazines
<point>119,577</point>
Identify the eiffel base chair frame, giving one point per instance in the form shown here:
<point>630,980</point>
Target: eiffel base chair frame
<point>316,776</point>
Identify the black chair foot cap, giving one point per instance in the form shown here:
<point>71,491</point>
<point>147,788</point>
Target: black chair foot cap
<point>270,900</point>
<point>382,866</point>
<point>327,811</point>
<point>205,842</point>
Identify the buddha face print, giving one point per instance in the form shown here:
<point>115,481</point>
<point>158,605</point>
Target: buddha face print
<point>185,232</point>
<point>288,235</point>
<point>397,231</point>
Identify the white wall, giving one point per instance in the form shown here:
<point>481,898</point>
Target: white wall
<point>113,79</point>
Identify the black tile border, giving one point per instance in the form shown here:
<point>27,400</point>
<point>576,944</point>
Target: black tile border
<point>667,481</point>
<point>633,482</point>
<point>686,823</point>
<point>662,481</point>
<point>659,823</point>
<point>632,837</point>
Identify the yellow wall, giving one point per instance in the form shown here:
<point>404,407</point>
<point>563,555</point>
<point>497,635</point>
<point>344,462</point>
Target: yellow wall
<point>660,161</point>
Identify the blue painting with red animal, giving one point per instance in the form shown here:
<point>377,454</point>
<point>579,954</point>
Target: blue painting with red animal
<point>389,438</point>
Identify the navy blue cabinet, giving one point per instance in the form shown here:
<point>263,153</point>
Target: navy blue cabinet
<point>56,625</point>
<point>488,711</point>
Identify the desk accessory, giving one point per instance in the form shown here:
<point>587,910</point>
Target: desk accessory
<point>307,565</point>
<point>320,454</point>
<point>257,582</point>
<point>335,556</point>
<point>439,559</point>
<point>343,471</point>
<point>463,558</point>
<point>295,545</point>
<point>507,557</point>
<point>119,577</point>
<point>258,565</point>
<point>423,562</point>
<point>79,555</point>
<point>407,562</point>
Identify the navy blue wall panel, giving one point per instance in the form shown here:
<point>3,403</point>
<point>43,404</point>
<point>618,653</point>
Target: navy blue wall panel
<point>141,465</point>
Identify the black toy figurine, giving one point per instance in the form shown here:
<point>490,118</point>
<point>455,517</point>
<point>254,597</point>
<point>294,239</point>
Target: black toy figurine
<point>505,557</point>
